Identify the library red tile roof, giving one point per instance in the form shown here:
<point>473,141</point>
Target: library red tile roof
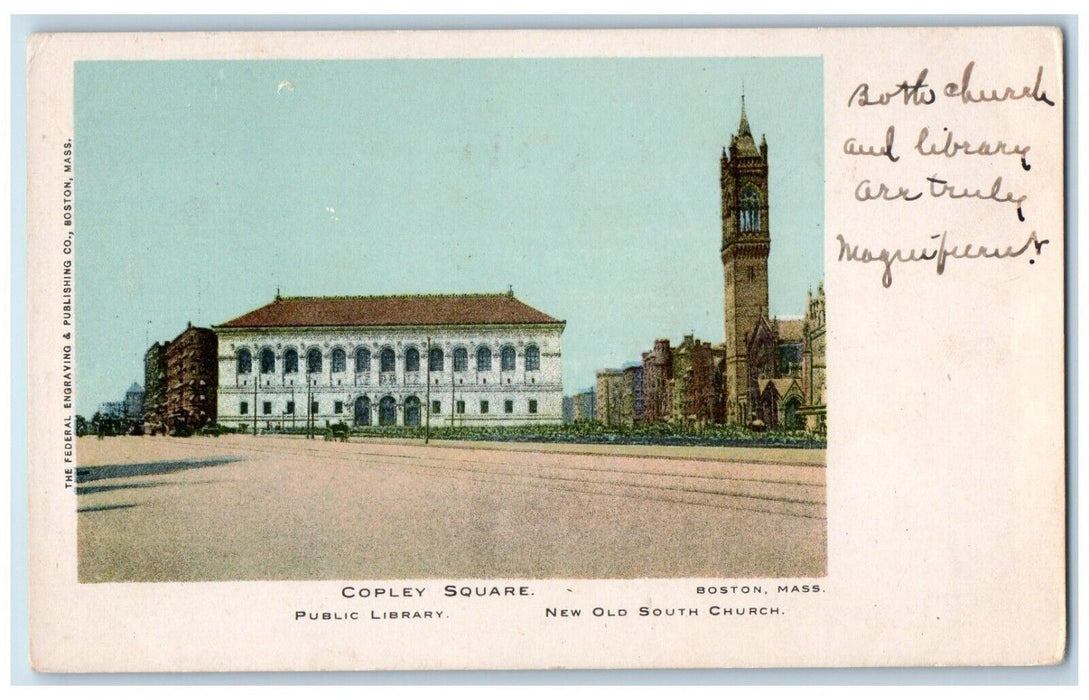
<point>400,310</point>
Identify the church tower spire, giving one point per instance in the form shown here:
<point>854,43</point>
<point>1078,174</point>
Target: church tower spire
<point>746,243</point>
<point>743,128</point>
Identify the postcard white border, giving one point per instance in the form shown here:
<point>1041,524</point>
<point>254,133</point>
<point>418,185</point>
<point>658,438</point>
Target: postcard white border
<point>666,43</point>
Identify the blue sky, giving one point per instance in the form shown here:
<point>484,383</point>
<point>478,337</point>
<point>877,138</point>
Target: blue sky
<point>589,185</point>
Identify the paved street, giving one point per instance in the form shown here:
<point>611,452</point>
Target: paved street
<point>246,508</point>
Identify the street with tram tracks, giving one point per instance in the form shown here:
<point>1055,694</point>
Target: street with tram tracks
<point>281,508</point>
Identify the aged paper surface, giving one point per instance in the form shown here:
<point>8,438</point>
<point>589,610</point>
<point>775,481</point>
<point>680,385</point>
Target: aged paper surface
<point>891,493</point>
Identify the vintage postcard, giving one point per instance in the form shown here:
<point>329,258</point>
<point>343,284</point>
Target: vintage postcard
<point>546,349</point>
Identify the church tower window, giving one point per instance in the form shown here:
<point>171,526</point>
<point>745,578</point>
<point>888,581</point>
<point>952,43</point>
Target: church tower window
<point>749,210</point>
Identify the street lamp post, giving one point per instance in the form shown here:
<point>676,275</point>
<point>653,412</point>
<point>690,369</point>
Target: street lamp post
<point>309,411</point>
<point>427,407</point>
<point>256,379</point>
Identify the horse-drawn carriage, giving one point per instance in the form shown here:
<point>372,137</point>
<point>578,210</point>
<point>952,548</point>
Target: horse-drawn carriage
<point>338,432</point>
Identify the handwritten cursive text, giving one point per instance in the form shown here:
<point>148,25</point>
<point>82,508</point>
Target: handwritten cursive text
<point>854,147</point>
<point>940,254</point>
<point>926,145</point>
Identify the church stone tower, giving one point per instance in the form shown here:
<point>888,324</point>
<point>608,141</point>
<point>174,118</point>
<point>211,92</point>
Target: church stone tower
<point>746,242</point>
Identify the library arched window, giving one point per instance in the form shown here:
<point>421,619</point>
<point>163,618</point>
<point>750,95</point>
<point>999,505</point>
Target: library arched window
<point>363,361</point>
<point>435,360</point>
<point>533,358</point>
<point>461,359</point>
<point>483,359</point>
<point>245,361</point>
<point>291,361</point>
<point>412,411</point>
<point>387,361</point>
<point>268,361</point>
<point>339,361</point>
<point>506,358</point>
<point>313,361</point>
<point>412,360</point>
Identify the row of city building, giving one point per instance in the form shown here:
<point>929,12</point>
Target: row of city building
<point>686,383</point>
<point>179,392</point>
<point>448,360</point>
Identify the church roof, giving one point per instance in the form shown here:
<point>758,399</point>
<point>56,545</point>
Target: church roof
<point>761,333</point>
<point>134,389</point>
<point>782,385</point>
<point>395,310</point>
<point>791,329</point>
